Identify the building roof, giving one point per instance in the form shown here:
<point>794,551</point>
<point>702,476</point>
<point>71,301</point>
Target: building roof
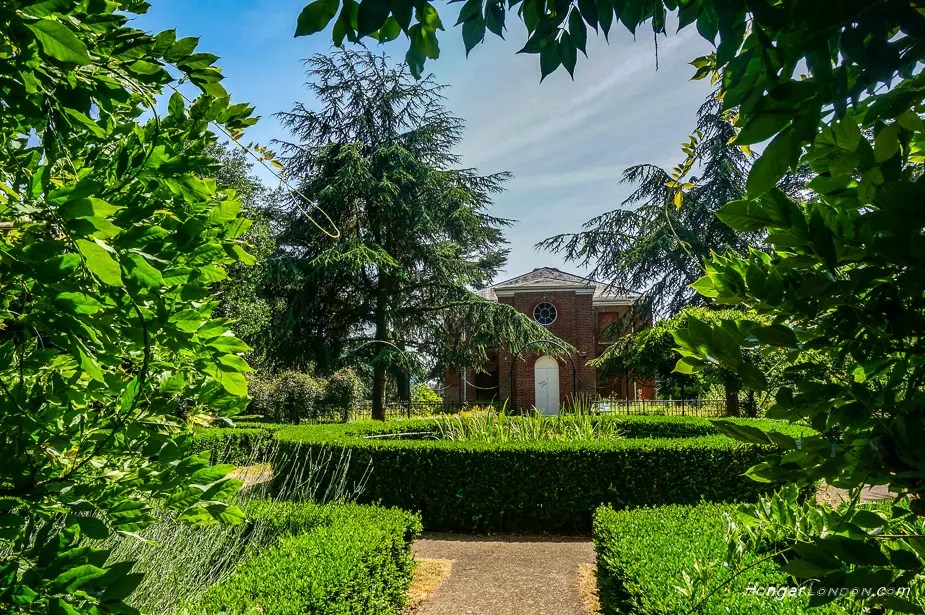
<point>549,278</point>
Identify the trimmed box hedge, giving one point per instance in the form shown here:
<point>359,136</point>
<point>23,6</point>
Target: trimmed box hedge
<point>541,485</point>
<point>343,559</point>
<point>642,553</point>
<point>247,443</point>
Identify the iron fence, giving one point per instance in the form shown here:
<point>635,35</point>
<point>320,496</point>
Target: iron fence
<point>641,407</point>
<point>662,407</point>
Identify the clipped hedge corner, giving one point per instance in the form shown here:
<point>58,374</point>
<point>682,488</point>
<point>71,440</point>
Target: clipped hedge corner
<point>331,560</point>
<point>643,554</point>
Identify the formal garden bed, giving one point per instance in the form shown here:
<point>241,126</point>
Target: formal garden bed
<point>513,474</point>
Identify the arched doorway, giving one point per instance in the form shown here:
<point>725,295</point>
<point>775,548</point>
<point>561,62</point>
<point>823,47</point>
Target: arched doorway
<point>546,385</point>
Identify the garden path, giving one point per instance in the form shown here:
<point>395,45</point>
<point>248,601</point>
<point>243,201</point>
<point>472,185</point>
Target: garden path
<point>507,575</point>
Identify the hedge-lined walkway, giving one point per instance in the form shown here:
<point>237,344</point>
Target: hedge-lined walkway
<point>506,575</point>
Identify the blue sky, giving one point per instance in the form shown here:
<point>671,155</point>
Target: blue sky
<point>565,142</point>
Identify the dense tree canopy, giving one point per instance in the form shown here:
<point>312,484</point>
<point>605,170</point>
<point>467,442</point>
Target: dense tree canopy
<point>415,231</point>
<point>111,241</point>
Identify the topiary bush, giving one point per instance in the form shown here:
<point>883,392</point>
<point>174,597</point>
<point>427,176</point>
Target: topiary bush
<point>536,485</point>
<point>348,560</point>
<point>644,555</point>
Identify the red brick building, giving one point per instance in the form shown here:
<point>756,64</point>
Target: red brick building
<point>575,310</point>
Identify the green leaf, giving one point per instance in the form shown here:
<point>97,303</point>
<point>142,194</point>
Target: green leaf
<point>742,433</point>
<point>196,515</point>
<point>853,551</point>
<point>775,335</point>
<point>745,215</point>
<point>241,255</point>
<point>88,362</point>
<point>143,272</point>
<point>569,55</point>
<point>235,362</point>
<point>87,208</point>
<point>549,57</point>
<point>214,328</point>
<point>578,31</point>
<point>389,31</point>
<point>401,11</point>
<point>315,17</point>
<point>78,303</point>
<point>76,577</point>
<point>225,514</point>
<point>473,32</point>
<point>184,498</point>
<point>763,126</point>
<point>371,16</point>
<point>91,527</point>
<point>752,377</point>
<point>228,343</point>
<point>898,604</point>
<point>207,476</point>
<point>223,490</point>
<point>59,42</point>
<point>231,381</point>
<point>886,145</point>
<point>802,569</point>
<point>122,586</point>
<point>181,49</point>
<point>868,519</point>
<point>98,260</point>
<point>774,163</point>
<point>186,320</point>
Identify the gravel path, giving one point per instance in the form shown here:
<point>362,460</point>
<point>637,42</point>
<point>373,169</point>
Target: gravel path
<point>506,575</point>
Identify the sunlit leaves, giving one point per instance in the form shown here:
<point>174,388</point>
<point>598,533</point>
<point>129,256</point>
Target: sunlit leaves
<point>59,42</point>
<point>117,236</point>
<point>99,259</point>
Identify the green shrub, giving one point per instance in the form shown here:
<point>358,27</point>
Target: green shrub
<point>293,396</point>
<point>421,393</point>
<point>537,485</point>
<point>644,555</point>
<point>343,389</point>
<point>352,560</point>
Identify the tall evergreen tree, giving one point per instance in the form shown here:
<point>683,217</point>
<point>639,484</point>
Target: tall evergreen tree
<point>652,244</point>
<point>412,230</point>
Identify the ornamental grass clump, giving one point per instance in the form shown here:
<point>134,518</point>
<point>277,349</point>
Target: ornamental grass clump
<point>498,427</point>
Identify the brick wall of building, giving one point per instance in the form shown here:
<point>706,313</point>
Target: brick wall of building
<point>577,322</point>
<point>574,324</point>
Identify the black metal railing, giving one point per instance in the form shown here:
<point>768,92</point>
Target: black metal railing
<point>363,410</point>
<point>662,407</point>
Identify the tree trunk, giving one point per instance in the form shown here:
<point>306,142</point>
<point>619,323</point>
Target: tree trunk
<point>379,375</point>
<point>380,370</point>
<point>732,385</point>
<point>403,380</point>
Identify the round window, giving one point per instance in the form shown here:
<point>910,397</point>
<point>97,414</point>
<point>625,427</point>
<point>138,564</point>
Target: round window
<point>545,314</point>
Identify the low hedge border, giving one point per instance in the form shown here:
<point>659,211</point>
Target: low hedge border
<point>343,559</point>
<point>642,553</point>
<point>544,486</point>
<point>244,444</point>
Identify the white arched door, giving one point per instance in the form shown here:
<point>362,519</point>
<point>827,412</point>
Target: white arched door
<point>546,385</point>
